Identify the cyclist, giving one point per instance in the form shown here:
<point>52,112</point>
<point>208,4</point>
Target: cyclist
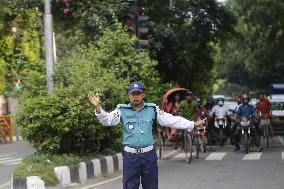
<point>187,110</point>
<point>201,111</point>
<point>264,109</point>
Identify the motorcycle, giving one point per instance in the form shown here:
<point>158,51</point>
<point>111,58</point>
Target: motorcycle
<point>248,133</point>
<point>199,135</point>
<point>220,124</point>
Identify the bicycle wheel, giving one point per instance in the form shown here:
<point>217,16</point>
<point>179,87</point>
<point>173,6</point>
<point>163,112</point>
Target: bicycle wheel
<point>188,147</point>
<point>203,144</point>
<point>266,134</point>
<point>246,143</point>
<point>160,143</point>
<point>221,137</point>
<point>197,144</point>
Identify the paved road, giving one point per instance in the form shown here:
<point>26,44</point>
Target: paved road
<point>222,168</point>
<point>10,156</point>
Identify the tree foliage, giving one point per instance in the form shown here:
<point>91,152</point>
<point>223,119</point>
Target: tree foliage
<point>19,45</point>
<point>254,57</point>
<point>185,40</point>
<point>65,122</point>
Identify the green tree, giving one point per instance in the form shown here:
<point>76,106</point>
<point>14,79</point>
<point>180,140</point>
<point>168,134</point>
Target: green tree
<point>65,122</point>
<point>254,57</point>
<point>185,38</point>
<point>19,45</point>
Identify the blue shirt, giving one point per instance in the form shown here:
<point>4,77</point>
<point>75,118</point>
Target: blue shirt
<point>245,111</point>
<point>137,125</point>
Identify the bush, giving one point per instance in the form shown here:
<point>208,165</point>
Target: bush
<point>65,122</point>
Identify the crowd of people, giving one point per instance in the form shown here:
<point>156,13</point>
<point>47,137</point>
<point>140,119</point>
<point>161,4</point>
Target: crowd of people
<point>192,108</point>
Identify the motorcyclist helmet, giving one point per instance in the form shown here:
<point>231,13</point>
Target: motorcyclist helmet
<point>245,99</point>
<point>220,101</point>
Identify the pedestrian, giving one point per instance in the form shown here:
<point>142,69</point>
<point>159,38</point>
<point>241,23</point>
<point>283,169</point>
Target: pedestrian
<point>137,119</point>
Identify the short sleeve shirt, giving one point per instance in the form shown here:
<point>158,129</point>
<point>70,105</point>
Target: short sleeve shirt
<point>264,106</point>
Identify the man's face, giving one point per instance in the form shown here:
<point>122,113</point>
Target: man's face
<point>136,98</point>
<point>189,98</point>
<point>177,97</point>
<point>245,101</point>
<point>261,97</point>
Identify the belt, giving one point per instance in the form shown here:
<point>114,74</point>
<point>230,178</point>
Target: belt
<point>138,150</point>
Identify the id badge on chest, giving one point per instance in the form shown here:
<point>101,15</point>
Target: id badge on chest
<point>130,126</point>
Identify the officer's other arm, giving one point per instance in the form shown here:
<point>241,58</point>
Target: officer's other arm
<point>108,119</point>
<point>168,120</point>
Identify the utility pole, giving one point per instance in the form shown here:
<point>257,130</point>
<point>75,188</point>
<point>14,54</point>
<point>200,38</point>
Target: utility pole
<point>49,47</point>
<point>171,4</point>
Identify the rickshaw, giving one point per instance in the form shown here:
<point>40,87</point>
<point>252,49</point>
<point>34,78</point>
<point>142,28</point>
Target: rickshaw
<point>186,140</point>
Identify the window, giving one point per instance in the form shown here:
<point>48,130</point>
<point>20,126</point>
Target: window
<point>277,105</point>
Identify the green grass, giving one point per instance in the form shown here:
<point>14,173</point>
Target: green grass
<point>43,166</point>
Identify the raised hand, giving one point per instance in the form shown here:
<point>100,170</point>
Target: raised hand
<point>94,99</point>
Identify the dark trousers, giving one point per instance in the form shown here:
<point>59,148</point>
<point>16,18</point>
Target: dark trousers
<point>136,166</point>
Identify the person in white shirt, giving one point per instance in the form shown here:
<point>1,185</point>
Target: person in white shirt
<point>220,110</point>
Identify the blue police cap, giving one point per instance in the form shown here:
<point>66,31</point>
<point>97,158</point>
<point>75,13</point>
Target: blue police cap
<point>136,87</point>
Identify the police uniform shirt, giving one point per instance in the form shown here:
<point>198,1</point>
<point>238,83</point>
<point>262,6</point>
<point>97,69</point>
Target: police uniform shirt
<point>137,125</point>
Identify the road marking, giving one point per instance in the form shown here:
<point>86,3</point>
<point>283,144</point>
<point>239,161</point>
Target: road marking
<point>6,184</point>
<point>281,140</point>
<point>6,158</point>
<point>169,154</point>
<point>282,155</point>
<point>7,155</point>
<point>13,163</point>
<point>215,156</point>
<point>252,156</point>
<point>179,156</point>
<point>12,160</point>
<point>101,183</point>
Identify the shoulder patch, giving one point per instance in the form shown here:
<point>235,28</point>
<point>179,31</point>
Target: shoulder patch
<point>122,106</point>
<point>150,104</point>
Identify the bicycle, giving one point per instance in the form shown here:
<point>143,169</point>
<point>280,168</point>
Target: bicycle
<point>265,124</point>
<point>187,146</point>
<point>161,140</point>
<point>195,141</point>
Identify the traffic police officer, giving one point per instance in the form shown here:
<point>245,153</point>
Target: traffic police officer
<point>137,119</point>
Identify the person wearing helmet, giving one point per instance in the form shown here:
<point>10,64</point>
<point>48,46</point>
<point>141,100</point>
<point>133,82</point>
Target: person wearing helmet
<point>245,110</point>
<point>218,111</point>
